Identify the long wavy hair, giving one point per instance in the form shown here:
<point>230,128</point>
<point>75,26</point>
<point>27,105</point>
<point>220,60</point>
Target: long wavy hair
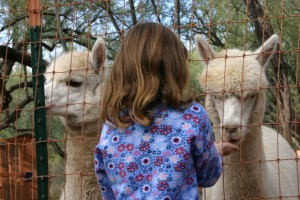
<point>150,69</point>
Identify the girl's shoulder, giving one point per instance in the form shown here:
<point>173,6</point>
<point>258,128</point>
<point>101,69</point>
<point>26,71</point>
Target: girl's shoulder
<point>107,129</point>
<point>196,110</point>
<point>195,107</point>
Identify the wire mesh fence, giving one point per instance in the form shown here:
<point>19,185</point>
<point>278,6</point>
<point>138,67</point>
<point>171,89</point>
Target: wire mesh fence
<point>71,33</point>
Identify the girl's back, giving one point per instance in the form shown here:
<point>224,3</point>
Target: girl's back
<point>167,160</point>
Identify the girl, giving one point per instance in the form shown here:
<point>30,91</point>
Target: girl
<point>155,144</point>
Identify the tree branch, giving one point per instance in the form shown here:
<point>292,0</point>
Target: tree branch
<point>111,16</point>
<point>264,30</point>
<point>11,24</point>
<point>48,47</point>
<point>215,40</point>
<point>57,149</point>
<point>59,27</point>
<point>177,9</point>
<point>17,56</point>
<point>19,85</point>
<point>15,114</point>
<point>132,11</point>
<point>155,10</point>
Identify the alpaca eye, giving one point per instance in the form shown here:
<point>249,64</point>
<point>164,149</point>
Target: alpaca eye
<point>74,83</point>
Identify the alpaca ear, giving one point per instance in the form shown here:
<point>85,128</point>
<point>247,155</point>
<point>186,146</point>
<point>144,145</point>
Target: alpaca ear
<point>266,51</point>
<point>98,54</point>
<point>204,49</point>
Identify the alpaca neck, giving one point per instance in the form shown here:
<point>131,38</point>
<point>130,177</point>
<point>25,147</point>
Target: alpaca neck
<point>86,129</point>
<point>80,143</point>
<point>79,166</point>
<point>250,149</point>
<point>79,150</point>
<point>242,170</point>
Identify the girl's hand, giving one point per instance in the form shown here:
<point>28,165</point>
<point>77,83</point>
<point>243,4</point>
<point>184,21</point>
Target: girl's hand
<point>225,148</point>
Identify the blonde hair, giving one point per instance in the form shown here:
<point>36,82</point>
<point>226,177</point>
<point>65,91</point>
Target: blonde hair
<point>150,68</point>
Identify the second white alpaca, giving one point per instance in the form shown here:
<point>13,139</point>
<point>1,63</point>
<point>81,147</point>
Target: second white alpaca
<point>73,88</point>
<point>234,81</point>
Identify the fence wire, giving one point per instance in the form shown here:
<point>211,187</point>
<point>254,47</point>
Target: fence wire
<point>70,29</point>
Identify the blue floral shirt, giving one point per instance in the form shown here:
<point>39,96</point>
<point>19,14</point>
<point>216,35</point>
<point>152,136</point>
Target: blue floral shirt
<point>167,160</point>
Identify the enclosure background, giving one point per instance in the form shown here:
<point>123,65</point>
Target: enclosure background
<point>69,25</point>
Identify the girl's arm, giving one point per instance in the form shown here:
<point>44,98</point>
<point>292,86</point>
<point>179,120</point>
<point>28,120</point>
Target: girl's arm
<point>208,155</point>
<point>208,162</point>
<point>102,178</point>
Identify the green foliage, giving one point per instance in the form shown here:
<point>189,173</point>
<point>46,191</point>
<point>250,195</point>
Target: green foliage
<point>195,67</point>
<point>24,122</point>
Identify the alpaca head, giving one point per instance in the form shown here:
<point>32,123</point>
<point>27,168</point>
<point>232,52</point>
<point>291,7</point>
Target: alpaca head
<point>234,81</point>
<point>73,84</point>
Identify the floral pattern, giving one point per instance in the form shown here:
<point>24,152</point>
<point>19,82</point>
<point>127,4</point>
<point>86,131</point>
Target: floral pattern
<point>167,160</point>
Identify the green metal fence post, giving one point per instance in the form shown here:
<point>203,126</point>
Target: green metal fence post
<point>38,79</point>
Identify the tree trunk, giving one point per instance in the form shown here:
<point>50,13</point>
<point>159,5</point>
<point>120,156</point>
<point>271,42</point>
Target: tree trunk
<point>263,30</point>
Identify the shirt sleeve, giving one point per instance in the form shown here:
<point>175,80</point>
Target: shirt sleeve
<point>102,178</point>
<point>208,162</point>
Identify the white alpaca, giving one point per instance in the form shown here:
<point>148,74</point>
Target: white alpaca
<point>72,89</point>
<point>234,81</point>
